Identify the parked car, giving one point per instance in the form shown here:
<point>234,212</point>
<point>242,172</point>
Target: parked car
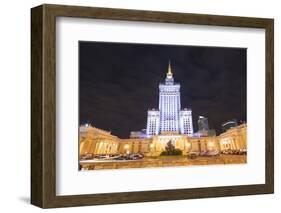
<point>88,156</point>
<point>115,157</point>
<point>136,156</point>
<point>226,152</point>
<point>212,153</point>
<point>192,155</point>
<point>101,156</point>
<point>235,152</point>
<point>203,153</point>
<point>121,157</point>
<point>243,151</point>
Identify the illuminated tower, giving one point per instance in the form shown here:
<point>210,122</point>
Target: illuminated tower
<point>169,117</point>
<point>169,103</point>
<point>186,125</point>
<point>153,122</point>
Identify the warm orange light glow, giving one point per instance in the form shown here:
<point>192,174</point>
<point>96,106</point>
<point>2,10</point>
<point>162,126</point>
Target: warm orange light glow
<point>187,145</point>
<point>211,144</point>
<point>126,146</point>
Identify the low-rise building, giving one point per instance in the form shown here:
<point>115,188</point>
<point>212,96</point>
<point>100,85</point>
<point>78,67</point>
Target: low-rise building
<point>234,138</point>
<point>96,141</point>
<point>134,145</point>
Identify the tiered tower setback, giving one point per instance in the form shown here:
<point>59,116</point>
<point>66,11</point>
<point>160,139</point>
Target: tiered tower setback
<point>169,117</point>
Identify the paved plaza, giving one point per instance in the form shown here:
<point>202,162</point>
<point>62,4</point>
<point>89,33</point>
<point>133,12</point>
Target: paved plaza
<point>167,161</point>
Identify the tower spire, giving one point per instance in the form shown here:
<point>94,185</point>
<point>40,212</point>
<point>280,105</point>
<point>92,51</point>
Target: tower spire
<point>169,73</point>
<point>169,78</point>
<point>169,68</point>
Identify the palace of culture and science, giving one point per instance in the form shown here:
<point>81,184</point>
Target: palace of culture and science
<point>169,117</point>
<point>168,123</point>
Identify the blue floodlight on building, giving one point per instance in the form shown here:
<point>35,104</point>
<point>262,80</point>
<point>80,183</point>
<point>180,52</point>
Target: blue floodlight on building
<point>169,117</point>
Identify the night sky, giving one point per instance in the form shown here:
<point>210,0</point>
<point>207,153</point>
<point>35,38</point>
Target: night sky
<point>119,82</point>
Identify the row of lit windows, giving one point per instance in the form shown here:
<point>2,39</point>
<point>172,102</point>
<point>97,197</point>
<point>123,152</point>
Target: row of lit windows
<point>168,108</point>
<point>169,95</point>
<point>169,117</point>
<point>152,124</point>
<point>168,126</point>
<point>171,103</point>
<point>154,116</point>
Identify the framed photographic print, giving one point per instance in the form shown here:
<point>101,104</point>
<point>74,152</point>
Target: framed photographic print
<point>137,106</point>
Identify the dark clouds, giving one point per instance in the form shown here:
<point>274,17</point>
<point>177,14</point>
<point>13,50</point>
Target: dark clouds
<point>119,82</point>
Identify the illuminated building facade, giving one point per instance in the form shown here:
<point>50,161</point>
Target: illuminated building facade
<point>169,117</point>
<point>234,138</point>
<point>100,142</point>
<point>97,141</point>
<point>168,123</point>
<point>153,122</point>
